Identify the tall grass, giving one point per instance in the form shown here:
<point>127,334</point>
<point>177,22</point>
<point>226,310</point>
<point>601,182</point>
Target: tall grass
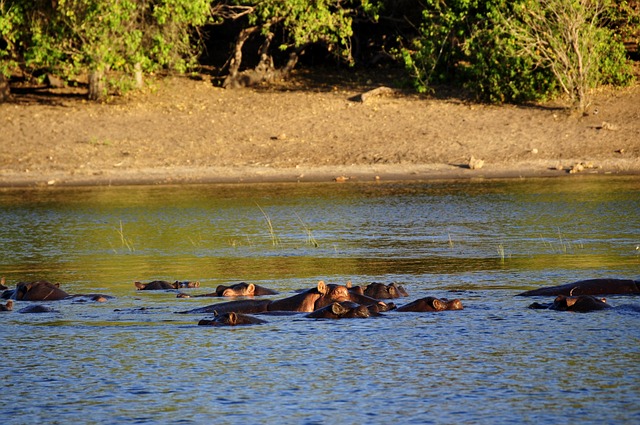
<point>125,241</point>
<point>275,240</point>
<point>311,240</point>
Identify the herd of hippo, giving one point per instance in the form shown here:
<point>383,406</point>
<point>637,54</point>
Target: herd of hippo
<point>325,301</point>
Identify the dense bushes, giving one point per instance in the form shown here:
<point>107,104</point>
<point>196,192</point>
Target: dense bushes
<point>517,50</point>
<point>499,50</point>
<point>70,37</point>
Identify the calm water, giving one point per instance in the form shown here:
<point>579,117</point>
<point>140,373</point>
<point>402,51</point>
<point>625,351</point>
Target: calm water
<point>483,242</point>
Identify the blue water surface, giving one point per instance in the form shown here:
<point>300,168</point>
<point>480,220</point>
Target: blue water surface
<point>133,360</point>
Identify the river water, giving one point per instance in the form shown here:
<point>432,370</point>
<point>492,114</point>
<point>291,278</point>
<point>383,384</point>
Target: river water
<point>133,360</point>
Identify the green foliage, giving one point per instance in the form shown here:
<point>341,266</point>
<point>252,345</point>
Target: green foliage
<point>476,44</point>
<point>303,22</point>
<point>11,20</point>
<point>623,18</point>
<point>71,37</point>
<point>484,46</point>
<point>568,38</point>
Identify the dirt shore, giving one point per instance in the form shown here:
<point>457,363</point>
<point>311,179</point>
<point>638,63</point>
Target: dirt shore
<point>181,130</point>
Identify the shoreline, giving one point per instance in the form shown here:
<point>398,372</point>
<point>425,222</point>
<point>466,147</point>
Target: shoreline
<point>190,132</point>
<point>159,176</point>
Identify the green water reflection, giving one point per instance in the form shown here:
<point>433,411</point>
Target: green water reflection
<point>109,237</point>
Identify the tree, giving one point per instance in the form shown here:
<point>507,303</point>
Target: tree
<point>568,38</point>
<point>301,23</point>
<point>72,37</point>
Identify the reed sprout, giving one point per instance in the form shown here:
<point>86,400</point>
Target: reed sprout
<point>311,240</point>
<point>125,241</point>
<point>501,252</point>
<point>275,241</point>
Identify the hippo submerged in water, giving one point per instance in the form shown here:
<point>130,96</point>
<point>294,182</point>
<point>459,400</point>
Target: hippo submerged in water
<point>380,291</point>
<point>589,287</point>
<point>230,319</point>
<point>158,285</point>
<point>580,303</point>
<point>241,289</point>
<point>345,309</point>
<point>42,290</point>
<point>305,302</point>
<point>431,304</point>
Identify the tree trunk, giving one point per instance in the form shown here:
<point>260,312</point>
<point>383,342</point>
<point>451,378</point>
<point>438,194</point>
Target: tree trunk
<point>232,79</point>
<point>4,88</point>
<point>96,85</point>
<point>137,75</point>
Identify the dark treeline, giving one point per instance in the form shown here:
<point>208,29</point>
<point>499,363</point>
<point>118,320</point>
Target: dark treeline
<point>497,50</point>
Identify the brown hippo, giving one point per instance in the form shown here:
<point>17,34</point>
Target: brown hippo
<point>42,290</point>
<point>579,303</point>
<point>158,285</point>
<point>241,289</point>
<point>381,291</point>
<point>590,287</point>
<point>344,309</point>
<point>305,302</point>
<point>7,307</point>
<point>429,304</point>
<point>231,319</point>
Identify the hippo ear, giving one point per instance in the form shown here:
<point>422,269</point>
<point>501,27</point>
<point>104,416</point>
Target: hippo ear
<point>233,318</point>
<point>322,287</point>
<point>349,284</point>
<point>57,284</point>
<point>196,284</point>
<point>139,285</point>
<point>439,304</point>
<point>251,288</point>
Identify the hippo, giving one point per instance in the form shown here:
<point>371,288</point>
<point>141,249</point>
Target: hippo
<point>589,287</point>
<point>429,304</point>
<point>230,319</point>
<point>40,290</point>
<point>305,302</point>
<point>381,291</point>
<point>158,285</point>
<point>2,284</point>
<point>344,309</point>
<point>579,303</point>
<point>241,289</point>
<point>7,307</point>
<point>43,290</point>
<point>37,308</point>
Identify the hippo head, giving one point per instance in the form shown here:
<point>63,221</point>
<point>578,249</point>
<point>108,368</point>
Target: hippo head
<point>580,303</point>
<point>330,294</point>
<point>382,291</point>
<point>338,310</point>
<point>40,290</point>
<point>230,319</point>
<point>241,289</point>
<point>186,284</point>
<point>432,304</point>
